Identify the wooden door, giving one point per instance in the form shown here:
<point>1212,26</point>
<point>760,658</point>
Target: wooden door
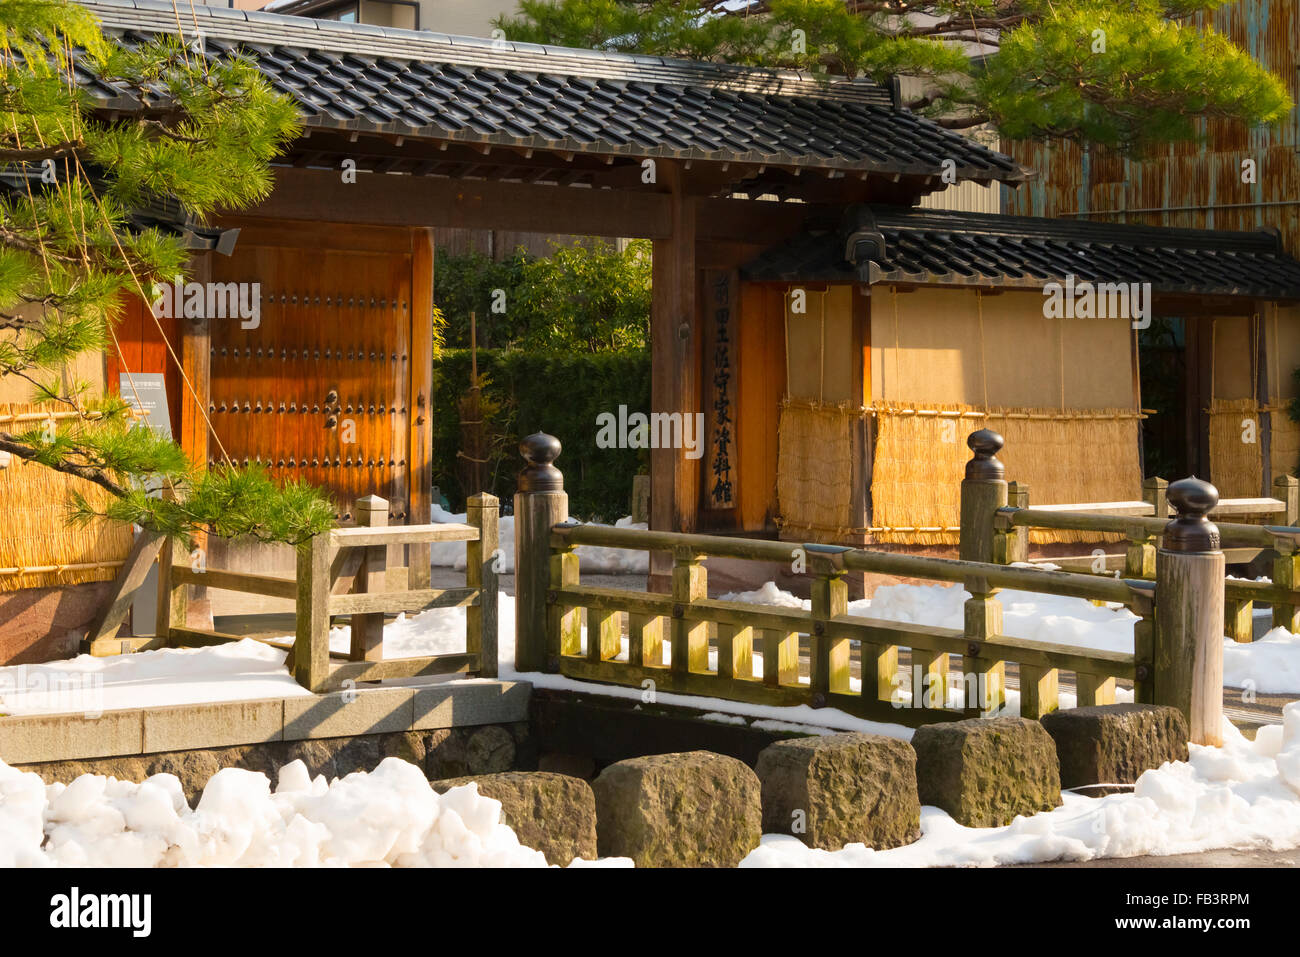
<point>318,390</point>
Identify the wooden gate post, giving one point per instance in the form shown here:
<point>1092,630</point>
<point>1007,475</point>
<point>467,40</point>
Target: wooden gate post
<point>540,502</point>
<point>983,492</point>
<point>1189,612</point>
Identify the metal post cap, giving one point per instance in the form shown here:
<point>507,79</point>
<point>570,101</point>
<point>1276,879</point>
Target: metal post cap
<point>986,444</point>
<point>1191,531</point>
<point>539,451</point>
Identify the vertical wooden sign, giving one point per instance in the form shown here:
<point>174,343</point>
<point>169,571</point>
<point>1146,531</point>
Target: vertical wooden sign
<point>720,407</point>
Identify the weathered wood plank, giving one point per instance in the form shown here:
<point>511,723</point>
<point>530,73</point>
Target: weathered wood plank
<point>399,668</point>
<point>735,652</point>
<point>1039,691</point>
<point>563,619</point>
<point>645,637</point>
<point>402,534</point>
<point>392,602</point>
<point>246,582</point>
<point>1094,689</point>
<point>202,637</point>
<point>604,635</point>
<point>780,657</point>
<point>109,647</point>
<point>879,670</point>
<point>615,599</point>
<point>129,578</point>
<point>754,692</point>
<point>1238,618</point>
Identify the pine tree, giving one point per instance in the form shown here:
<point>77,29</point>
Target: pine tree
<point>1130,75</point>
<point>70,253</point>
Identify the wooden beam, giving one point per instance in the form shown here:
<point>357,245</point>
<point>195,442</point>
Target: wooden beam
<point>399,668</point>
<point>761,222</point>
<point>128,581</point>
<point>245,582</point>
<point>321,196</point>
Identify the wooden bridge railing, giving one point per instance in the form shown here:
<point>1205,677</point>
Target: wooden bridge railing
<point>343,572</point>
<point>691,624</point>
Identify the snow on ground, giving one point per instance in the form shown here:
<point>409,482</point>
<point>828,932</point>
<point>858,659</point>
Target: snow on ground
<point>389,816</point>
<point>591,558</point>
<point>1029,615</point>
<point>1243,795</point>
<point>1268,665</point>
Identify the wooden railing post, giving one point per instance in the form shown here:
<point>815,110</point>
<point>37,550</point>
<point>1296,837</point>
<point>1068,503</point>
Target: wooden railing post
<point>1140,555</point>
<point>1286,574</point>
<point>983,492</point>
<point>1286,489</point>
<point>540,503</point>
<point>1144,644</point>
<point>1011,544</point>
<point>563,622</point>
<point>371,511</point>
<point>690,639</point>
<point>483,512</point>
<point>311,648</point>
<point>1189,612</point>
<point>829,663</point>
<point>1155,492</point>
<point>984,677</point>
<point>173,598</point>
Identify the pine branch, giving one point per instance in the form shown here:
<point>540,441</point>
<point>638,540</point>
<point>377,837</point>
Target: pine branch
<point>10,443</point>
<point>40,154</point>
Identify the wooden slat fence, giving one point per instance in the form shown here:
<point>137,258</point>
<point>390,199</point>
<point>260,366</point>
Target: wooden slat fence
<point>343,573</point>
<point>1143,534</point>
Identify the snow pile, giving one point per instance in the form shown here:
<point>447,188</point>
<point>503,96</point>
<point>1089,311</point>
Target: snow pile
<point>591,558</point>
<point>1245,795</point>
<point>769,594</point>
<point>1268,665</point>
<point>1029,615</point>
<point>232,672</point>
<point>388,817</point>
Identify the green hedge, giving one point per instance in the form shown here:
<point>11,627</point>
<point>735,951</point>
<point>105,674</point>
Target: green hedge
<point>558,394</point>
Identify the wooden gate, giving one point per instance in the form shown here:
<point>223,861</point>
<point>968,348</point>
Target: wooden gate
<point>319,386</point>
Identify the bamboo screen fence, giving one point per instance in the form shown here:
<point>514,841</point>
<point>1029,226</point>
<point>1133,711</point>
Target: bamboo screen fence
<point>1236,452</point>
<point>37,547</point>
<point>1064,457</point>
<point>814,475</point>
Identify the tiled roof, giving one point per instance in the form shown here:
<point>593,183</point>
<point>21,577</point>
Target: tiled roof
<point>471,90</point>
<point>895,244</point>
